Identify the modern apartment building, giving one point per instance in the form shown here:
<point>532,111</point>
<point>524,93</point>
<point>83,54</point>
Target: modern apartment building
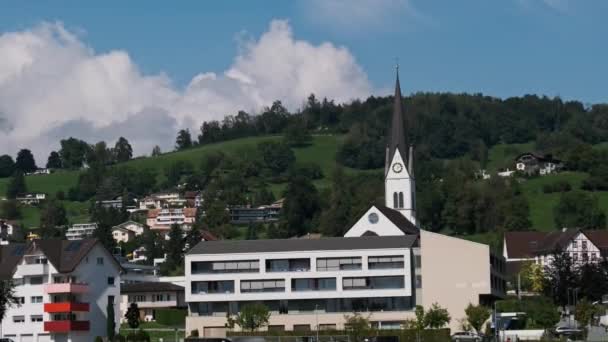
<point>63,287</point>
<point>80,231</point>
<point>302,281</point>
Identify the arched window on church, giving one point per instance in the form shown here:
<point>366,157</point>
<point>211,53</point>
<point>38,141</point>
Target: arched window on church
<point>395,201</point>
<point>401,200</point>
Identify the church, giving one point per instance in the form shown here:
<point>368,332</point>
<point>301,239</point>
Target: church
<point>384,266</point>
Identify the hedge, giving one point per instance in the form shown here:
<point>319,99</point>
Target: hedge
<point>405,335</point>
<point>171,317</point>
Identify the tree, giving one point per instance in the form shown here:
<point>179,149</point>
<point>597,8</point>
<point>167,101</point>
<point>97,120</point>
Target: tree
<point>16,186</point>
<point>25,161</point>
<point>296,134</point>
<point>10,210</point>
<point>532,277</point>
<point>253,316</point>
<point>183,140</point>
<point>357,326</point>
<point>252,231</point>
<point>593,280</point>
<point>194,236</point>
<point>476,316</point>
<point>577,209</point>
<point>175,247</point>
<point>132,316</point>
<point>156,151</point>
<point>7,297</point>
<point>560,278</point>
<point>110,322</point>
<point>52,217</point>
<point>7,166</point>
<point>585,311</point>
<point>73,153</point>
<point>152,243</point>
<point>54,161</point>
<point>276,156</point>
<point>436,317</point>
<point>123,150</point>
<point>300,207</point>
<point>99,155</point>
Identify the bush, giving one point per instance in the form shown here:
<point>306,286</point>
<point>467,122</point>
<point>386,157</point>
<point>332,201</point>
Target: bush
<point>194,333</point>
<point>171,317</point>
<point>558,186</point>
<point>139,336</point>
<point>98,339</point>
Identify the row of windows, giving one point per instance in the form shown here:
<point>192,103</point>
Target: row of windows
<point>306,284</point>
<point>33,319</point>
<point>160,297</point>
<point>297,265</point>
<point>33,300</point>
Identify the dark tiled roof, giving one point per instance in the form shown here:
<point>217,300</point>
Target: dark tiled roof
<point>150,287</point>
<point>399,220</point>
<point>521,245</point>
<point>64,255</point>
<point>556,240</point>
<point>302,245</point>
<point>10,255</point>
<point>208,236</point>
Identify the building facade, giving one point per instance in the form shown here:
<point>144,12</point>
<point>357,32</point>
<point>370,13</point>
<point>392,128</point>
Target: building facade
<point>149,297</point>
<point>64,288</point>
<point>81,231</point>
<point>163,219</point>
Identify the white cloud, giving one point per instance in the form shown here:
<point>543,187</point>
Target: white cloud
<point>52,85</point>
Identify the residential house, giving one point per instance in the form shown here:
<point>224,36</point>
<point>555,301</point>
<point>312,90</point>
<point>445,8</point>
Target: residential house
<point>533,163</point>
<point>31,198</point>
<point>162,200</point>
<point>127,231</point>
<point>81,231</point>
<point>64,288</point>
<point>262,214</point>
<point>194,199</point>
<point>8,230</point>
<point>150,297</point>
<point>39,172</point>
<point>162,219</point>
<point>539,247</point>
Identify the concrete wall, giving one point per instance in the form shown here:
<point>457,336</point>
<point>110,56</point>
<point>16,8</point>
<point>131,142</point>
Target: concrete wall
<point>454,273</point>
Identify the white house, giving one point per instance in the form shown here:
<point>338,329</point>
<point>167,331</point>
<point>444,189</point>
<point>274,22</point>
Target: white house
<point>532,163</point>
<point>7,230</point>
<point>127,231</point>
<point>31,198</point>
<point>150,297</point>
<point>383,266</point>
<point>538,247</point>
<point>162,219</point>
<point>64,288</point>
<point>81,231</point>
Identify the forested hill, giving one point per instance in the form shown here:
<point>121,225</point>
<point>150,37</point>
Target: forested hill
<point>298,155</point>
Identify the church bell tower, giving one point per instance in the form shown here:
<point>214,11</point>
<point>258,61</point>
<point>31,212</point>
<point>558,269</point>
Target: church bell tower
<point>399,186</point>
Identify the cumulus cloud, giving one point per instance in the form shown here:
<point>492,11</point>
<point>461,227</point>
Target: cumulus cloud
<point>53,85</point>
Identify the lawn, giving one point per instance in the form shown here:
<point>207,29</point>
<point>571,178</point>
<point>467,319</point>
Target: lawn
<point>156,331</point>
<point>503,155</point>
<point>50,184</point>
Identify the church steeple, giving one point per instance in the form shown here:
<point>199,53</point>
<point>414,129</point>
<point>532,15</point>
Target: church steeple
<point>399,184</point>
<point>397,137</point>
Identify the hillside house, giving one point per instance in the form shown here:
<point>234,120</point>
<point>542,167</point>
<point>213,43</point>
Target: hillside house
<point>151,296</point>
<point>8,229</point>
<point>162,219</point>
<point>262,214</point>
<point>81,231</point>
<point>39,172</point>
<point>194,199</point>
<point>31,198</point>
<point>532,163</point>
<point>162,200</point>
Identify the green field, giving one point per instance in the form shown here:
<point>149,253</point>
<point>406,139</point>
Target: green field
<point>500,156</point>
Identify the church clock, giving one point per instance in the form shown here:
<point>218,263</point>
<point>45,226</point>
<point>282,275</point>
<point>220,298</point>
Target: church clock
<point>397,167</point>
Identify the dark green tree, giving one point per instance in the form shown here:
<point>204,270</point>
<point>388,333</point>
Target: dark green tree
<point>183,140</point>
<point>10,210</point>
<point>7,297</point>
<point>263,197</point>
<point>156,151</point>
<point>276,157</point>
<point>25,161</point>
<point>436,317</point>
<point>593,280</point>
<point>577,209</point>
<point>175,247</point>
<point>194,236</point>
<point>110,322</point>
<point>53,219</point>
<point>296,134</point>
<point>123,150</point>
<point>54,161</point>
<point>73,153</point>
<point>358,327</point>
<point>7,166</point>
<point>560,278</point>
<point>301,206</point>
<point>153,245</point>
<point>253,316</point>
<point>336,218</point>
<point>16,185</point>
<point>252,231</point>
<point>132,316</point>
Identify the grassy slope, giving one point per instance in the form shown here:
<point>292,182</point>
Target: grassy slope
<point>500,155</point>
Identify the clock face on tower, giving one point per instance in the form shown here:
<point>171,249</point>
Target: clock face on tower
<point>397,167</point>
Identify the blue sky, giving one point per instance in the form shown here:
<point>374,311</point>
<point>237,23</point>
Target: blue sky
<point>144,69</point>
<point>500,48</point>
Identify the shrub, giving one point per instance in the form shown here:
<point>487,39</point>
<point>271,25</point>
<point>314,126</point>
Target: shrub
<point>139,336</point>
<point>171,317</point>
<point>194,333</point>
<point>98,339</point>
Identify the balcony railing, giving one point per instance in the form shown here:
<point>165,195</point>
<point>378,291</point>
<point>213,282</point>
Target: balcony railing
<point>66,326</point>
<point>33,269</point>
<point>66,288</point>
<point>66,307</point>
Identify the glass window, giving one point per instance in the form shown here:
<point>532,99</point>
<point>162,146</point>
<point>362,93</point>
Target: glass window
<point>20,300</point>
<point>36,280</point>
<point>418,281</point>
<point>18,319</point>
<point>111,281</point>
<point>385,262</point>
<point>36,318</point>
<point>100,261</point>
<point>239,266</point>
<point>271,285</point>
<point>373,283</point>
<point>313,284</point>
<point>219,286</point>
<point>36,299</point>
<point>337,264</point>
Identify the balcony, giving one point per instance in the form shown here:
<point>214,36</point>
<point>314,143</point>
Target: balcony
<point>66,326</point>
<point>159,304</point>
<point>33,269</point>
<point>66,288</point>
<point>66,307</point>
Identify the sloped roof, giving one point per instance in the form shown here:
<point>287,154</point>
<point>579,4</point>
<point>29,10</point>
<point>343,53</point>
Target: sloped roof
<point>10,255</point>
<point>399,220</point>
<point>124,224</point>
<point>208,236</point>
<point>522,245</point>
<point>302,245</point>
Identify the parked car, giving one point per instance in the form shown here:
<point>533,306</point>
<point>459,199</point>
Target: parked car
<point>467,336</point>
<point>567,331</point>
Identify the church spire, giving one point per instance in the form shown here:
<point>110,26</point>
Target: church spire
<point>397,137</point>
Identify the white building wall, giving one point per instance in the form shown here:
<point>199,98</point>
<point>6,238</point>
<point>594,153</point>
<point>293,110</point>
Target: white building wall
<point>382,227</point>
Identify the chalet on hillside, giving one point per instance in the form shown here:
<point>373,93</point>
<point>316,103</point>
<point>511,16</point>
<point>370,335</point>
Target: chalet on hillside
<point>534,163</point>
